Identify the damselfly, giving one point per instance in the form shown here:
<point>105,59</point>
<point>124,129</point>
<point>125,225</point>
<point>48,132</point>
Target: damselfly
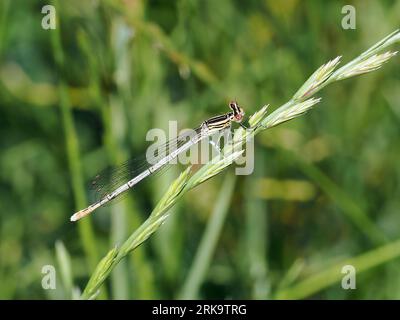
<point>206,129</point>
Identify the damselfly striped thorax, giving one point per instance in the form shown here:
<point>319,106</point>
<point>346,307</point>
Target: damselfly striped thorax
<point>116,186</point>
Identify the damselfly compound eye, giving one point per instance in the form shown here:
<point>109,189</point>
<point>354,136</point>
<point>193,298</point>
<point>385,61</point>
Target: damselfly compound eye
<point>239,116</point>
<point>238,112</point>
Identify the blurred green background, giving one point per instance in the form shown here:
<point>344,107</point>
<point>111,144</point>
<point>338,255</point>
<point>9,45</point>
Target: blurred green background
<point>79,98</point>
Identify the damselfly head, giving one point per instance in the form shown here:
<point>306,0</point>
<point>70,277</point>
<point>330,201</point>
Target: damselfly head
<point>238,112</point>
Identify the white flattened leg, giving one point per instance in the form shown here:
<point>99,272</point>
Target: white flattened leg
<point>215,146</point>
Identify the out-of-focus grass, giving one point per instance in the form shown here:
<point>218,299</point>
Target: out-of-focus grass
<point>72,151</point>
<point>343,200</point>
<point>208,243</point>
<point>256,236</point>
<point>65,268</point>
<point>4,12</point>
<point>182,61</point>
<point>333,274</point>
